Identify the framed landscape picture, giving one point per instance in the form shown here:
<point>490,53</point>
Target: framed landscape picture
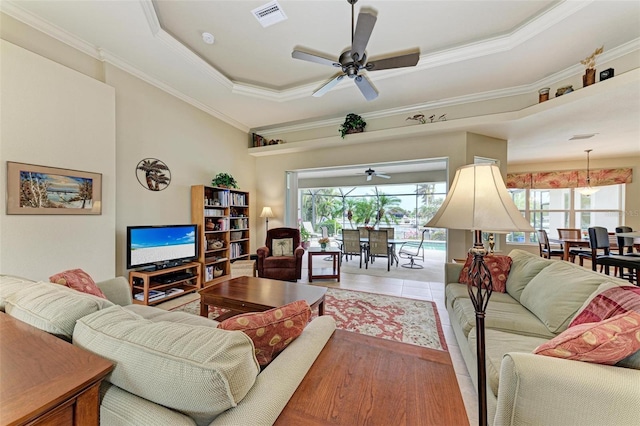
<point>33,189</point>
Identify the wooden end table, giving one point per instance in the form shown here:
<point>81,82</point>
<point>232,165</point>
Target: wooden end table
<point>252,294</point>
<point>359,380</point>
<point>335,255</point>
<point>45,380</point>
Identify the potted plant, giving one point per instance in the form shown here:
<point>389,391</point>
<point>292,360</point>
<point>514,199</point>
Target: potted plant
<point>353,123</point>
<point>305,237</point>
<point>224,180</point>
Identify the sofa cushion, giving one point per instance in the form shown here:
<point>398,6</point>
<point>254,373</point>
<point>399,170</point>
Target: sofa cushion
<point>154,314</point>
<point>609,303</point>
<point>604,342</point>
<point>454,291</point>
<point>282,247</point>
<point>508,317</point>
<point>271,330</point>
<point>558,291</point>
<point>498,266</point>
<point>497,344</point>
<point>79,280</point>
<point>199,371</point>
<point>52,308</point>
<point>524,267</point>
<point>9,284</point>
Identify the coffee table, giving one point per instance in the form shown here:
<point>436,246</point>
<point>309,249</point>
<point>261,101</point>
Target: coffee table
<point>358,380</point>
<point>252,294</point>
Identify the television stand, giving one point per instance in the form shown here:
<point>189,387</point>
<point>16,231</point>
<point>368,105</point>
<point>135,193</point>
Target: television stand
<point>160,285</point>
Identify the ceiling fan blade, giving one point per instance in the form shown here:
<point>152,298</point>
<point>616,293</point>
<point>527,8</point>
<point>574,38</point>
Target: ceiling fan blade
<point>367,89</point>
<point>364,27</point>
<point>382,175</point>
<point>296,54</point>
<point>328,86</point>
<point>409,60</point>
<point>368,178</point>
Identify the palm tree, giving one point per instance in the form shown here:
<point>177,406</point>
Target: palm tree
<point>152,169</point>
<point>385,202</point>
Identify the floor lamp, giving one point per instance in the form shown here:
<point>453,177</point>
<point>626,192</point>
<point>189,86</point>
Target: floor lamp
<point>266,213</point>
<point>478,199</point>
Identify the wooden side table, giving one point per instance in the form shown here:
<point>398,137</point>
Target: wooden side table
<point>334,253</point>
<point>45,380</point>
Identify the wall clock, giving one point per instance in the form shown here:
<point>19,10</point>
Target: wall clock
<point>153,174</point>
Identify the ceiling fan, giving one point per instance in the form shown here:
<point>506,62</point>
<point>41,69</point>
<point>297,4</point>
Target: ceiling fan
<point>354,60</point>
<point>371,173</point>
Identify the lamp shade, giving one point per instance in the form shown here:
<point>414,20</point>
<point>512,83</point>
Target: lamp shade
<point>266,212</point>
<point>479,200</point>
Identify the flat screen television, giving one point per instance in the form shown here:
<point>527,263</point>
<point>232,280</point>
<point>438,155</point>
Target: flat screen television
<point>159,247</point>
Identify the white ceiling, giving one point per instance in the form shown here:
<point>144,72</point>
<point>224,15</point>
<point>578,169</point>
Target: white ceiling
<point>470,51</point>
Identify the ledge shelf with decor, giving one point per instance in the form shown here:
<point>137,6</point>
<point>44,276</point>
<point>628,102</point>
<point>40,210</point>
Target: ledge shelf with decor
<point>222,216</point>
<point>152,287</point>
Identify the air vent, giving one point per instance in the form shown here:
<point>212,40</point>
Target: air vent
<point>269,14</point>
<point>579,137</point>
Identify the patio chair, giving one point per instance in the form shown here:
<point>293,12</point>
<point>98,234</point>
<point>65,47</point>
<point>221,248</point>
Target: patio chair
<point>309,228</point>
<point>412,250</point>
<point>378,247</point>
<point>351,245</point>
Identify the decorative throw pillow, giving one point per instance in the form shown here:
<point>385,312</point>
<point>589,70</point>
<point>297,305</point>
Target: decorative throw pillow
<point>499,267</point>
<point>79,280</point>
<point>609,303</point>
<point>272,330</point>
<point>282,247</point>
<point>604,342</point>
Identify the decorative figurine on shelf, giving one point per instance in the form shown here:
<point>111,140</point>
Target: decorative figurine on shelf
<point>417,117</point>
<point>589,76</point>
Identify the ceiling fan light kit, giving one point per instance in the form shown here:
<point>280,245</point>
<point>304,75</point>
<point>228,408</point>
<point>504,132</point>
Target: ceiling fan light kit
<point>354,60</point>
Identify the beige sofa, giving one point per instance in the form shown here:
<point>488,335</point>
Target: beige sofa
<point>171,368</point>
<point>525,389</point>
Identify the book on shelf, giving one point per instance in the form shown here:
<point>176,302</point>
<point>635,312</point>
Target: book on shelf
<point>174,290</point>
<point>153,295</point>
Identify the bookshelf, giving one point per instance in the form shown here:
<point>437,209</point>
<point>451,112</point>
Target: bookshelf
<point>222,216</point>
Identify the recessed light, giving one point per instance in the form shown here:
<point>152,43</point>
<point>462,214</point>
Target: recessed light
<point>208,38</point>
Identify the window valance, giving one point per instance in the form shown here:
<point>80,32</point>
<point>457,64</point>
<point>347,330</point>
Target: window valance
<point>568,178</point>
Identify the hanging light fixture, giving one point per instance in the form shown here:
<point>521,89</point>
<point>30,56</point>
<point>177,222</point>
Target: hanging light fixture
<point>588,189</point>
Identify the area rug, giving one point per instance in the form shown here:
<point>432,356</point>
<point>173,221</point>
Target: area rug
<point>387,317</point>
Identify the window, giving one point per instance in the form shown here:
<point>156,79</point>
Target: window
<point>550,209</point>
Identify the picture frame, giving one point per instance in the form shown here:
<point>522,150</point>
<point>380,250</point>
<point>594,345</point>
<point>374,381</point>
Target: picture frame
<point>34,189</point>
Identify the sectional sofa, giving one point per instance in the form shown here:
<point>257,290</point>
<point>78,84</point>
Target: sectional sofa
<point>171,368</point>
<point>542,297</point>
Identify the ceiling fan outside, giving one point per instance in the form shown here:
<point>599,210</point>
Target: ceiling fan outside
<point>354,60</point>
<point>371,173</point>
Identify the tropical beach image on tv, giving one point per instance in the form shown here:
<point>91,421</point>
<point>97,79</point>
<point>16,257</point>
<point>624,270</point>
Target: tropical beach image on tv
<point>149,245</point>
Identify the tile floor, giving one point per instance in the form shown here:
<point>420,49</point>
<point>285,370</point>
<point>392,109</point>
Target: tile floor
<point>423,290</point>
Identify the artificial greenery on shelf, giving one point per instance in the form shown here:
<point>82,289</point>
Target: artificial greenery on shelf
<point>224,180</point>
<point>352,123</point>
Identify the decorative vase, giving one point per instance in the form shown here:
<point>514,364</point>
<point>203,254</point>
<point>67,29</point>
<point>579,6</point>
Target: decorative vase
<point>323,246</point>
<point>589,77</point>
<point>543,94</point>
<point>356,130</point>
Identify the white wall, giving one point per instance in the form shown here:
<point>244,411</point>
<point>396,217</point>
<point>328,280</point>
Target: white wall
<point>54,116</point>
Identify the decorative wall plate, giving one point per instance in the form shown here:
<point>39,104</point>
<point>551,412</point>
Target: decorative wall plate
<point>153,174</point>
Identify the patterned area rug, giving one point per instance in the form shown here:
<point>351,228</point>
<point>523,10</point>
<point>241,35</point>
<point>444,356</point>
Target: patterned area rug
<point>387,317</point>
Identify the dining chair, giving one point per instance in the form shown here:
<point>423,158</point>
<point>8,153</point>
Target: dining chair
<point>351,245</point>
<point>378,247</point>
<point>574,234</point>
<point>546,250</point>
<point>364,231</point>
<point>626,248</point>
<point>599,240</point>
<point>412,250</point>
<point>390,232</point>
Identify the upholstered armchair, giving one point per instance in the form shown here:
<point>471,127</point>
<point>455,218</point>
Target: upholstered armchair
<point>281,257</point>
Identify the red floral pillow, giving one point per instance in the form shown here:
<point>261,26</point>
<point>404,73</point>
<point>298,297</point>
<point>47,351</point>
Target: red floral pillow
<point>604,342</point>
<point>499,267</point>
<point>609,303</point>
<point>272,330</point>
<point>79,280</point>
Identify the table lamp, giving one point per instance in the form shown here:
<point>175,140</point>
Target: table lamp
<point>267,213</point>
<point>478,199</point>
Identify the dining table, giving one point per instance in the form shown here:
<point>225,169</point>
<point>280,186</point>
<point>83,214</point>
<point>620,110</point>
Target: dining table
<point>392,241</point>
<point>567,243</point>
